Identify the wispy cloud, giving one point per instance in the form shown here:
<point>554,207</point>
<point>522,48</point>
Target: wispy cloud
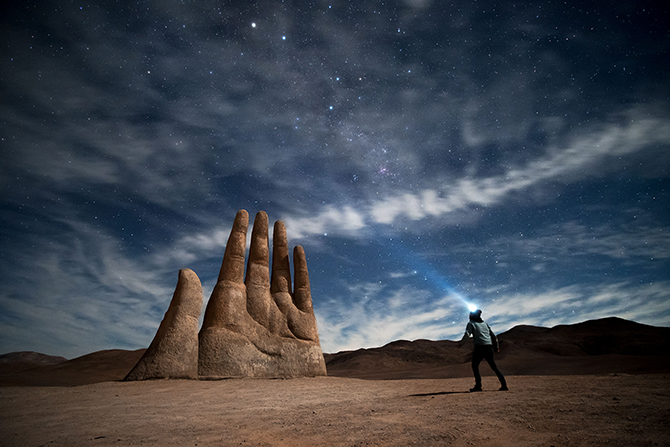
<point>343,221</point>
<point>642,302</point>
<point>197,245</point>
<point>635,239</point>
<point>375,315</point>
<point>82,287</point>
<point>584,158</point>
<point>574,162</point>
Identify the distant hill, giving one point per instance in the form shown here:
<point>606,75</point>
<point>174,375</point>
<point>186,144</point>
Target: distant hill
<point>101,366</point>
<point>610,345</point>
<point>21,361</point>
<point>595,337</point>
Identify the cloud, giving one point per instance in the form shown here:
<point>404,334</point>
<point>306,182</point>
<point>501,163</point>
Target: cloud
<point>373,315</point>
<point>398,275</point>
<point>79,292</point>
<point>637,241</point>
<point>194,246</point>
<point>568,305</point>
<point>342,221</point>
<point>572,163</point>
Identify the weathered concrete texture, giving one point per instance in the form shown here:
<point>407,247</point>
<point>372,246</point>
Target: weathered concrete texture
<point>173,353</point>
<point>259,327</point>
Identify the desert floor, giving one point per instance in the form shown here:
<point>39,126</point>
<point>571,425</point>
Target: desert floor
<point>612,410</point>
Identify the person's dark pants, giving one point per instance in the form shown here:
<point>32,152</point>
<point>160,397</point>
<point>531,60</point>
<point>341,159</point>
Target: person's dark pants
<point>485,352</point>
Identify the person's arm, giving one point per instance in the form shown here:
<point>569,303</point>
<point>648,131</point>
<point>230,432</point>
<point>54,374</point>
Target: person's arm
<point>463,340</point>
<point>466,335</point>
<point>494,340</point>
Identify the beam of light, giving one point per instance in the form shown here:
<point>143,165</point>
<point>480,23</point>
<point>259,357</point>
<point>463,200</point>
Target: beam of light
<point>433,276</point>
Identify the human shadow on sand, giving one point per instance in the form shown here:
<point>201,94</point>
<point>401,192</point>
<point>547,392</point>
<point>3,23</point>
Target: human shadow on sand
<point>439,393</point>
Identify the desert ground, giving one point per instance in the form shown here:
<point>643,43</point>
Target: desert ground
<point>598,383</point>
<point>594,410</point>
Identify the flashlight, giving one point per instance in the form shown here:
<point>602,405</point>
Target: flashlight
<point>472,307</point>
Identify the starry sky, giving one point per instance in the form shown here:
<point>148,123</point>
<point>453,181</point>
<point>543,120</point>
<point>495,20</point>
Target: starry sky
<point>427,154</point>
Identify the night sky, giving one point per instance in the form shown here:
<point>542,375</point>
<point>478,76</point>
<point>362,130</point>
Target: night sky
<point>427,154</point>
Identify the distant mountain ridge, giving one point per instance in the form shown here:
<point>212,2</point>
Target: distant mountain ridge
<point>595,337</point>
<point>44,370</point>
<point>609,345</point>
<point>21,361</point>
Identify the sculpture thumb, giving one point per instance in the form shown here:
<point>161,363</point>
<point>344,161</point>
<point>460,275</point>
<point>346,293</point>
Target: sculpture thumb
<point>173,353</point>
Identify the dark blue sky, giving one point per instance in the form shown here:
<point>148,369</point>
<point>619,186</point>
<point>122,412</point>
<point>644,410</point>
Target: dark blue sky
<point>425,154</point>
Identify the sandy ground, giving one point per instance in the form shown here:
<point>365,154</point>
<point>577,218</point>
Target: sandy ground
<point>612,410</point>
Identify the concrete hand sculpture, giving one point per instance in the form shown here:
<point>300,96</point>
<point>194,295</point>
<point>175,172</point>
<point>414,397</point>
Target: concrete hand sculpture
<point>260,327</point>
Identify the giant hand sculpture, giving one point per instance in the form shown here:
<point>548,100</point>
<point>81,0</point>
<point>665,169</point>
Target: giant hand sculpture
<point>259,327</point>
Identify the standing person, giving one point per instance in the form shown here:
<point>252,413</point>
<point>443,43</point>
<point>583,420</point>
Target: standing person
<point>485,343</point>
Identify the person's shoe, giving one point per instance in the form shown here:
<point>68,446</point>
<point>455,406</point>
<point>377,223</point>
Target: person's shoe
<point>476,388</point>
<point>503,388</point>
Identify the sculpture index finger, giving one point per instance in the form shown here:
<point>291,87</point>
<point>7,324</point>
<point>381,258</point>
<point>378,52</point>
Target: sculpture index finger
<point>232,268</point>
<point>258,270</point>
